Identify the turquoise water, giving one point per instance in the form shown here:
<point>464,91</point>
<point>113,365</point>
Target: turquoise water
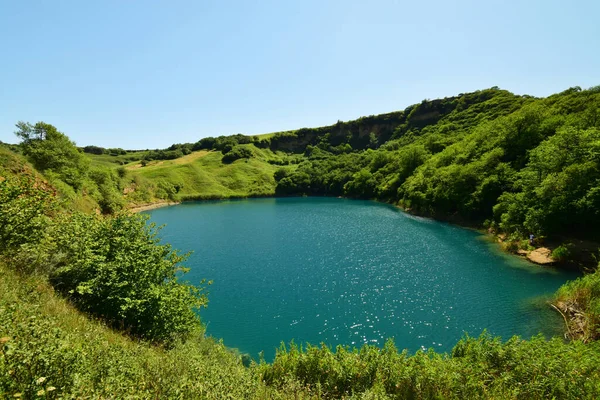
<point>351,272</point>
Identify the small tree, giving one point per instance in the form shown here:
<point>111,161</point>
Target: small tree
<point>50,150</point>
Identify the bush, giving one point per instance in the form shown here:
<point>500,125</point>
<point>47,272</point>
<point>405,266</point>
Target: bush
<point>561,253</point>
<point>23,206</point>
<point>581,298</point>
<point>94,150</point>
<point>281,173</point>
<point>116,268</point>
<point>483,367</point>
<point>122,172</point>
<point>236,153</point>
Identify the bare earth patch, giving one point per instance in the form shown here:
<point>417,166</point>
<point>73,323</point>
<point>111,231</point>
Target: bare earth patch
<point>146,207</point>
<point>542,256</point>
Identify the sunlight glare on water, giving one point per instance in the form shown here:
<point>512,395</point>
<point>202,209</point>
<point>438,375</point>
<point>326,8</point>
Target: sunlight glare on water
<point>351,272</point>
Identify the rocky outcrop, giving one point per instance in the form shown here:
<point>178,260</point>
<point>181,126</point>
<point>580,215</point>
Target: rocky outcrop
<point>541,256</point>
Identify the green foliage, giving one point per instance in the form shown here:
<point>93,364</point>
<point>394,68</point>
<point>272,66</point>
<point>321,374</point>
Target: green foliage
<point>559,189</point>
<point>106,189</point>
<point>561,253</point>
<point>112,267</point>
<point>236,153</point>
<point>483,367</point>
<point>581,298</point>
<point>117,269</point>
<point>164,154</point>
<point>50,150</point>
<point>49,350</point>
<point>24,205</point>
<point>281,173</point>
<point>122,172</point>
<point>526,165</point>
<point>94,150</point>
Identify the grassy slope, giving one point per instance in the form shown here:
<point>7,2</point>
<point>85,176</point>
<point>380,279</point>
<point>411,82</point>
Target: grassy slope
<point>108,160</point>
<point>202,175</point>
<point>45,343</point>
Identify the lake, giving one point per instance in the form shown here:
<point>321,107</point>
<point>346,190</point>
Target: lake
<point>350,272</point>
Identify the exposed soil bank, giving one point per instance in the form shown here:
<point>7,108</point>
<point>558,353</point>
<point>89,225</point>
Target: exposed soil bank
<point>152,206</point>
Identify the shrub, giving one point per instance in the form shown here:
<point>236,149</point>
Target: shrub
<point>116,268</point>
<point>281,173</point>
<point>23,206</point>
<point>561,253</point>
<point>236,153</point>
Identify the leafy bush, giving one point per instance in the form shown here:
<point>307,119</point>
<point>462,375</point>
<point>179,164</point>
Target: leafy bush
<point>116,268</point>
<point>561,253</point>
<point>236,153</point>
<point>580,299</point>
<point>94,150</point>
<point>108,193</point>
<point>24,203</point>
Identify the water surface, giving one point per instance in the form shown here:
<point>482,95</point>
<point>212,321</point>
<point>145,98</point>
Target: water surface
<point>351,272</point>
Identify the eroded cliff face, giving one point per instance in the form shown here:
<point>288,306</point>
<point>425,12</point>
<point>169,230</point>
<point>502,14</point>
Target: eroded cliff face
<point>374,130</point>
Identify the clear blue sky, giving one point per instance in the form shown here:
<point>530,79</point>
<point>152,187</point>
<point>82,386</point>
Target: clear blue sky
<point>146,74</point>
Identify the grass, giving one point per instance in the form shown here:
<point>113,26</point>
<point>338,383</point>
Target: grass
<point>11,162</point>
<point>108,160</point>
<point>203,175</point>
<point>187,159</point>
<point>49,349</point>
<point>270,135</point>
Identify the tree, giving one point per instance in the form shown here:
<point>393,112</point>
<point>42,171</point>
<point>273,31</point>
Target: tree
<point>52,151</point>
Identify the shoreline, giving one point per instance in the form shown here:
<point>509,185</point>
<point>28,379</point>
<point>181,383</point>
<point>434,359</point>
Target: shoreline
<point>492,236</point>
<point>153,206</point>
<point>461,222</point>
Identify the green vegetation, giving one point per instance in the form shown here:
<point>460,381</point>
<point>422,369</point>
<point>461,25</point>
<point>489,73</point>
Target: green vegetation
<point>525,165</point>
<point>143,294</point>
<point>110,267</point>
<point>579,301</point>
<point>50,350</point>
<point>516,165</point>
<point>52,153</point>
<point>204,175</point>
<point>481,367</point>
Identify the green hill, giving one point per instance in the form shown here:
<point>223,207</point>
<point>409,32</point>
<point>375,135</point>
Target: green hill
<point>93,305</point>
